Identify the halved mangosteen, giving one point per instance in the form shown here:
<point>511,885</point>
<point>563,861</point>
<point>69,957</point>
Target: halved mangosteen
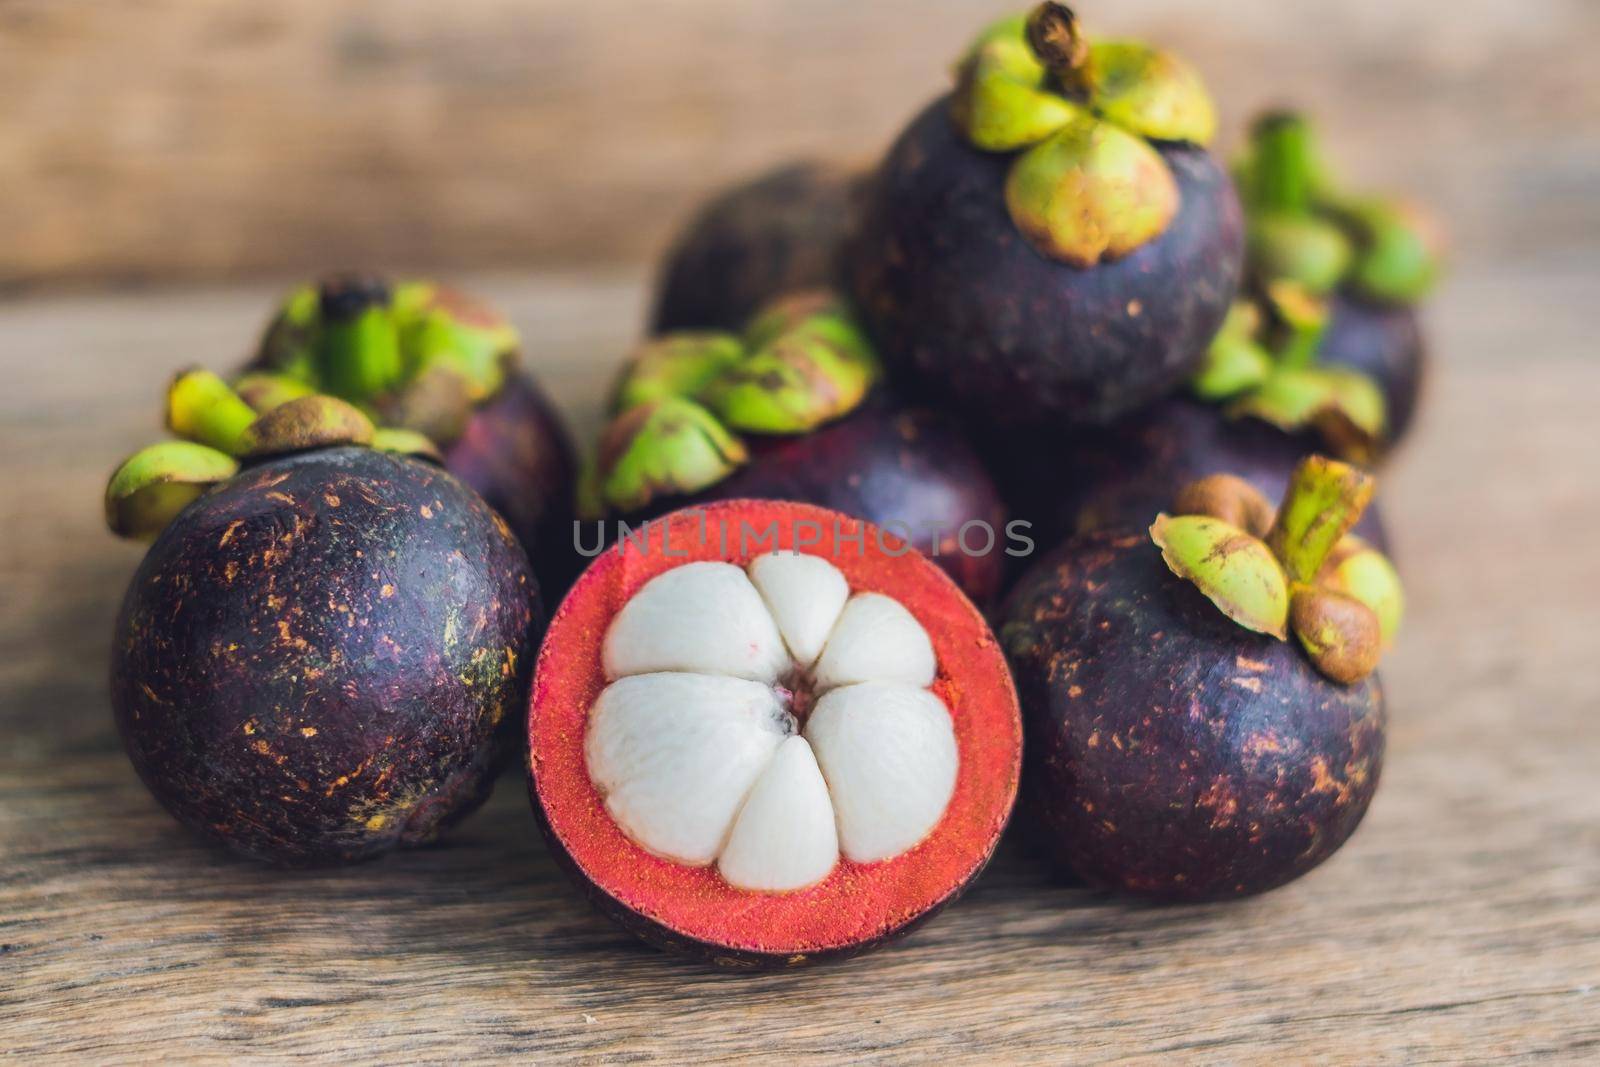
<point>795,409</point>
<point>1371,259</point>
<point>775,234</point>
<point>1050,244</point>
<point>322,654</point>
<point>428,357</point>
<point>767,733</point>
<point>1202,719</point>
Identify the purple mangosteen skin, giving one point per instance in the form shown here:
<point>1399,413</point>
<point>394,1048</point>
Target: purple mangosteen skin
<point>323,658</point>
<point>778,234</point>
<point>897,466</point>
<point>516,453</point>
<point>957,300</point>
<point>1128,473</point>
<point>1384,342</point>
<point>1170,752</point>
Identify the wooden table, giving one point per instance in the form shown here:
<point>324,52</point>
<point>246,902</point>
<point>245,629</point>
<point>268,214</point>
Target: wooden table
<point>1463,920</point>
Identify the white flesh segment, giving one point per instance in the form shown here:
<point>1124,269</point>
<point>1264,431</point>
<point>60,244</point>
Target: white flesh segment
<point>704,618</point>
<point>784,838</point>
<point>888,753</point>
<point>674,756</point>
<point>876,640</point>
<point>805,595</point>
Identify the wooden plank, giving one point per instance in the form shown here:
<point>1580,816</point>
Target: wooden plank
<point>1461,922</point>
<point>197,140</point>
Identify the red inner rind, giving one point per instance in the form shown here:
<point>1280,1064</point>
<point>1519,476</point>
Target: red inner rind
<point>857,902</point>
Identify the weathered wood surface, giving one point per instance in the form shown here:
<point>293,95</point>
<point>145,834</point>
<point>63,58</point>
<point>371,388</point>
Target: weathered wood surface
<point>185,138</point>
<point>1462,922</point>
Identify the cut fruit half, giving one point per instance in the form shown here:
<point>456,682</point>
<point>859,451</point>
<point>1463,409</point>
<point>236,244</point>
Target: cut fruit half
<point>769,733</point>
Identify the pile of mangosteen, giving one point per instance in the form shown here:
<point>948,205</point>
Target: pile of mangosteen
<point>1034,462</point>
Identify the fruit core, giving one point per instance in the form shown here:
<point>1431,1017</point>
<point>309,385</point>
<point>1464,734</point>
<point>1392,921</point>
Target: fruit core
<point>770,722</point>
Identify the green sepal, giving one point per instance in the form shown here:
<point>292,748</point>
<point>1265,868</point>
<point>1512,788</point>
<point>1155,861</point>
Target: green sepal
<point>265,390</point>
<point>1089,192</point>
<point>1235,570</point>
<point>661,449</point>
<point>1324,500</point>
<point>201,407</point>
<point>1306,249</point>
<point>677,364</point>
<point>1299,321</point>
<point>286,346</point>
<point>1235,361</point>
<point>1397,257</point>
<point>151,486</point>
<point>1359,570</point>
<point>406,443</point>
<point>300,425</point>
<point>811,373</point>
<point>1344,405</point>
<point>1151,92</point>
<point>1001,103</point>
<point>440,324</point>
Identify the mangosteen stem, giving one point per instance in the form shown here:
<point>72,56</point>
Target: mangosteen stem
<point>1325,499</point>
<point>1055,38</point>
<point>203,408</point>
<point>358,349</point>
<point>1285,164</point>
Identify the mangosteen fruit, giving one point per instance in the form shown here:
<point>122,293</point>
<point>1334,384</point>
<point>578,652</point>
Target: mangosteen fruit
<point>325,652</point>
<point>431,358</point>
<point>1201,717</point>
<point>1051,243</point>
<point>766,733</point>
<point>775,234</point>
<point>1370,259</point>
<point>1259,404</point>
<point>795,409</point>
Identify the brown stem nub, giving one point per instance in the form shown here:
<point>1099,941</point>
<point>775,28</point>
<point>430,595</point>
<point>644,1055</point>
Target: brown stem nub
<point>1054,36</point>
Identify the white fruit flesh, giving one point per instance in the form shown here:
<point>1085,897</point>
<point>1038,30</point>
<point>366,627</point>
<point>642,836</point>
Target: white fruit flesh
<point>695,751</point>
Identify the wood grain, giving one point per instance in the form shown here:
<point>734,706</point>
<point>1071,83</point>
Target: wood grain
<point>188,139</point>
<point>1461,923</point>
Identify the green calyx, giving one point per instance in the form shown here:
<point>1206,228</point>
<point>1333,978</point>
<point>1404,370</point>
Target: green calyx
<point>1263,366</point>
<point>413,355</point>
<point>685,397</point>
<point>1089,186</point>
<point>662,448</point>
<point>150,487</point>
<point>221,429</point>
<point>1235,570</point>
<point>1299,571</point>
<point>1303,229</point>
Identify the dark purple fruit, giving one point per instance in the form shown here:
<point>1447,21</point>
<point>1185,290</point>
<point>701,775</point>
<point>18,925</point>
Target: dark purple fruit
<point>961,306</point>
<point>775,234</point>
<point>1186,737</point>
<point>514,452</point>
<point>1050,244</point>
<point>1071,483</point>
<point>322,657</point>
<point>1169,752</point>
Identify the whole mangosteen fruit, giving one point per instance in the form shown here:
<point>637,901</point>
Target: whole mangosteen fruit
<point>1370,259</point>
<point>778,233</point>
<point>323,653</point>
<point>765,733</point>
<point>795,409</point>
<point>429,357</point>
<point>1180,745</point>
<point>1050,244</point>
